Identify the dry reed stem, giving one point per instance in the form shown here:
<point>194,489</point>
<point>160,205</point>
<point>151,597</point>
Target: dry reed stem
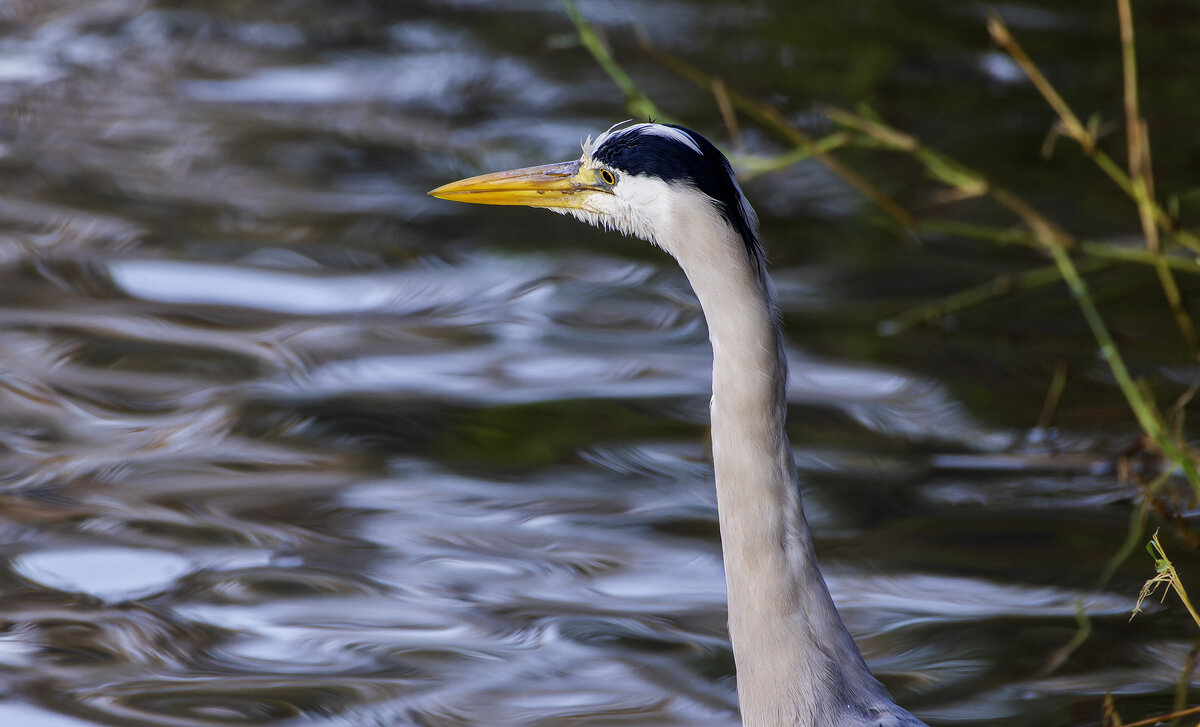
<point>720,92</point>
<point>999,32</point>
<point>1086,136</point>
<point>770,117</point>
<point>1151,721</point>
<point>1141,174</point>
<point>1165,575</point>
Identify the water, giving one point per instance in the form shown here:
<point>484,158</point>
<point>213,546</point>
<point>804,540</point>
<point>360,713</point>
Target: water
<point>284,441</point>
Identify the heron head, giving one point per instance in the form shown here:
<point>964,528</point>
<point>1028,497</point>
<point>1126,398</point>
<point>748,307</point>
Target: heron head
<point>633,179</point>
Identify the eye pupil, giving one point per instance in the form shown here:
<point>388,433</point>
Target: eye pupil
<point>607,176</point>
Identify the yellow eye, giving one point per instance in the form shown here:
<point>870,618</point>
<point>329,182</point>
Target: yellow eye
<point>609,178</point>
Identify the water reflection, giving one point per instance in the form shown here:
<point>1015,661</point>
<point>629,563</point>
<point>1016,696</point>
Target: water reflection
<point>285,441</point>
<point>109,574</point>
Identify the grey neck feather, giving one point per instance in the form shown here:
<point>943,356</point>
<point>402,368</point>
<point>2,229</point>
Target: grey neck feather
<point>796,663</point>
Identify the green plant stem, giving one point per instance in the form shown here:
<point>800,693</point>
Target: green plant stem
<point>1082,634</point>
<point>976,295</point>
<point>1049,236</point>
<point>953,174</point>
<point>1080,133</point>
<point>1137,531</point>
<point>1161,218</point>
<point>1108,349</point>
<point>1012,236</point>
<point>1184,682</point>
<point>751,166</point>
<point>1055,242</point>
<point>1138,255</point>
<point>636,102</point>
<point>771,118</point>
<point>1054,394</point>
<point>1139,182</point>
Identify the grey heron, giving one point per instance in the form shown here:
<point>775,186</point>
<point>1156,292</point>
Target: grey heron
<point>796,662</point>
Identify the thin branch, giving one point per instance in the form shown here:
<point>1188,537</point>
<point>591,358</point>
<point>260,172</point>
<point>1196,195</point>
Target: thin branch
<point>1082,134</point>
<point>728,114</point>
<point>977,295</point>
<point>771,118</point>
<point>750,166</point>
<point>1054,394</point>
<point>954,174</point>
<point>999,32</point>
<point>1151,721</point>
<point>1184,683</point>
<point>1142,175</point>
<point>1082,634</point>
<point>1137,531</point>
<point>636,102</point>
<point>1108,349</point>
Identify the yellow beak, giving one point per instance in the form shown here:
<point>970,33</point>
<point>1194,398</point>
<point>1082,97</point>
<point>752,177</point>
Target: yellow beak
<point>551,185</point>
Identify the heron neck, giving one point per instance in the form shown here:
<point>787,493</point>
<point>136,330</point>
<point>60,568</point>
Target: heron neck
<point>796,663</point>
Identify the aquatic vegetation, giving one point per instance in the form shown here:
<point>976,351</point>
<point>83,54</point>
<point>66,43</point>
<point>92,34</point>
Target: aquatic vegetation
<point>1168,248</point>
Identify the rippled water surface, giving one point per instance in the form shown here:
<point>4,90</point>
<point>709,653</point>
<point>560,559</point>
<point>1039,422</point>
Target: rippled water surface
<point>284,441</point>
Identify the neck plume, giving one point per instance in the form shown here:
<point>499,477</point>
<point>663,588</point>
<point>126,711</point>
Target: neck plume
<point>796,663</point>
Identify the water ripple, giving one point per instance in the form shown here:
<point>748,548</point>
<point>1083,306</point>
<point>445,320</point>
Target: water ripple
<point>283,440</point>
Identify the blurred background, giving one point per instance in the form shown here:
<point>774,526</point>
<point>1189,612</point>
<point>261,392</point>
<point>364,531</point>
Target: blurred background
<point>285,441</point>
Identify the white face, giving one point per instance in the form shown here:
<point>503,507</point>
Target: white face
<point>633,205</point>
<point>649,207</point>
